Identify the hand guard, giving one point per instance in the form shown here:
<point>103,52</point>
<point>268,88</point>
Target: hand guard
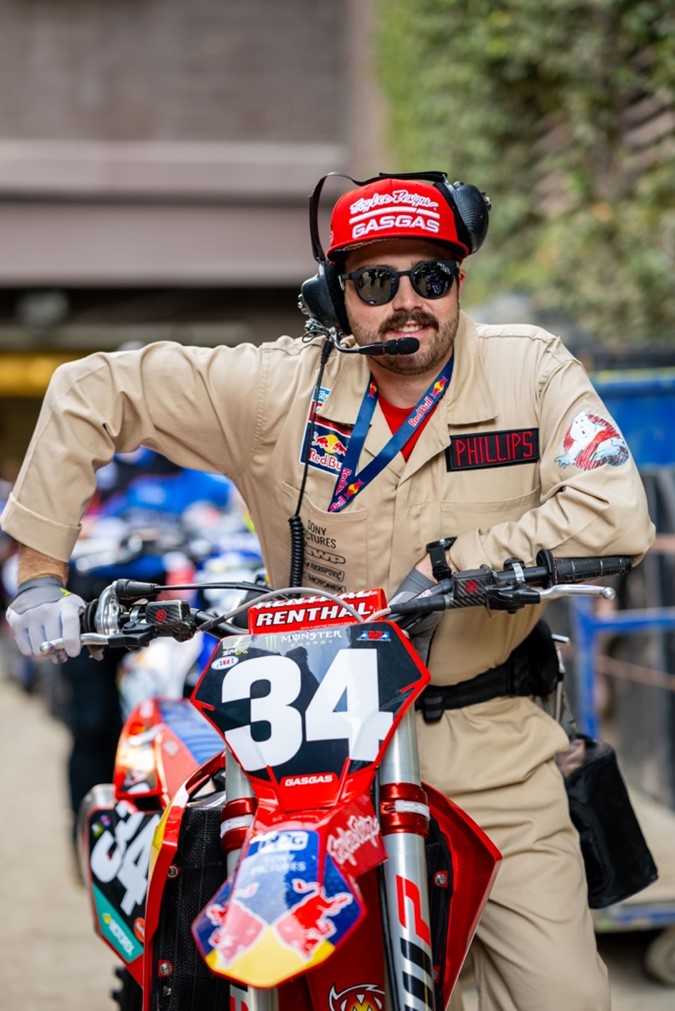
<point>422,630</point>
<point>43,610</point>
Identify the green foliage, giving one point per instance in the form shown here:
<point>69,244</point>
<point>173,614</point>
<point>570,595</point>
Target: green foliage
<point>548,107</point>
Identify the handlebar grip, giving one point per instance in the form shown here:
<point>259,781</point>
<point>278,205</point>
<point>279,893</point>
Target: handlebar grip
<point>88,617</point>
<point>578,570</point>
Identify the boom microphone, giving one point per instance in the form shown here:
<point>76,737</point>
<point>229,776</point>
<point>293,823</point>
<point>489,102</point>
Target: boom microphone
<point>402,346</point>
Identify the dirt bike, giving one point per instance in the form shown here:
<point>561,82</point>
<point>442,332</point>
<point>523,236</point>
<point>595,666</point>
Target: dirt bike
<point>268,845</point>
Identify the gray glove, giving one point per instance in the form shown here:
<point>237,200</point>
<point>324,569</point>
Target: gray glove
<point>422,629</point>
<point>42,610</point>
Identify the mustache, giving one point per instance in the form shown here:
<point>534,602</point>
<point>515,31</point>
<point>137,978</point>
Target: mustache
<point>402,316</point>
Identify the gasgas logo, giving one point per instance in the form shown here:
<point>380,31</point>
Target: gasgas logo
<point>367,997</point>
<point>308,780</point>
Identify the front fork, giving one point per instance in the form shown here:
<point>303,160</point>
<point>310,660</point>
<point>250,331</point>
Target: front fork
<point>237,818</point>
<point>404,817</point>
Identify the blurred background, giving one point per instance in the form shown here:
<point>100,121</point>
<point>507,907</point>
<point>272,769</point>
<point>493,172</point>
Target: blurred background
<point>155,163</point>
<point>156,158</point>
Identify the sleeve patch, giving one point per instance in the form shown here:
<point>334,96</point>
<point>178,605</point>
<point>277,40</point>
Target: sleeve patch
<point>592,441</point>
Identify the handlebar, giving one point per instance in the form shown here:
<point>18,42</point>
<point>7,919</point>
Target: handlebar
<point>516,585</point>
<point>108,622</point>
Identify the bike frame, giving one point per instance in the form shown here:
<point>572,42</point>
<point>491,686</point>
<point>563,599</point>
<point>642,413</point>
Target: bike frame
<point>332,824</point>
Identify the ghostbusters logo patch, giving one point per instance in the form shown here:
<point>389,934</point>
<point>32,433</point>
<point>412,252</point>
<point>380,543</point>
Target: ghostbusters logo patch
<point>591,442</point>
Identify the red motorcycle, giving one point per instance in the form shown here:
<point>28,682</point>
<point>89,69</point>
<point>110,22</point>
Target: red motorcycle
<point>301,863</point>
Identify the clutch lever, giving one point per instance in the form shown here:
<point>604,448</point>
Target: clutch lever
<point>94,640</point>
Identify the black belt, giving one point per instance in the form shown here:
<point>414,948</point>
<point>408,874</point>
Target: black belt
<point>531,669</point>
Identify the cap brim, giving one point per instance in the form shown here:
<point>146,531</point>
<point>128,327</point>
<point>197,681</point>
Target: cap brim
<point>456,252</point>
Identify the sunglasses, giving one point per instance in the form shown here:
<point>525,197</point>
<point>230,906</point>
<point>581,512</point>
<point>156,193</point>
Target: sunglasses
<point>378,285</point>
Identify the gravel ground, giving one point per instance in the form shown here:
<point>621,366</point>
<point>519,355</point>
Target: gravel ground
<point>50,959</point>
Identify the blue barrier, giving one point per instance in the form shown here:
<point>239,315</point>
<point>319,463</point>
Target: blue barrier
<point>587,626</point>
<point>643,405</point>
<point>642,402</point>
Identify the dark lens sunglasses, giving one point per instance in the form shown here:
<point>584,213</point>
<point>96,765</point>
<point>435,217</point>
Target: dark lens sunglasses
<point>378,285</point>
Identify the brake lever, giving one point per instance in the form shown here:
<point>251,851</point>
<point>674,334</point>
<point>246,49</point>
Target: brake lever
<point>577,590</point>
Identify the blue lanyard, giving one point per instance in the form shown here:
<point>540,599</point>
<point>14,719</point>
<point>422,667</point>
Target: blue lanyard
<point>350,482</point>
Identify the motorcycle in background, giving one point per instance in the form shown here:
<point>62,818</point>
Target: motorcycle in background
<point>203,541</point>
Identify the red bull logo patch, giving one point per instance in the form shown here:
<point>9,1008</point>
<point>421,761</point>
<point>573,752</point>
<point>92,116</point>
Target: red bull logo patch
<point>277,917</point>
<point>311,921</point>
<point>329,445</point>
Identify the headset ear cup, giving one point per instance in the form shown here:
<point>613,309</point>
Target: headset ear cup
<point>473,207</point>
<point>324,299</point>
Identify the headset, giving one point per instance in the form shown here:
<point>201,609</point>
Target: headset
<point>322,298</point>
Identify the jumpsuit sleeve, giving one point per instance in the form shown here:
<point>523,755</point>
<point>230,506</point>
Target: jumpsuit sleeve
<point>592,500</point>
<point>189,404</point>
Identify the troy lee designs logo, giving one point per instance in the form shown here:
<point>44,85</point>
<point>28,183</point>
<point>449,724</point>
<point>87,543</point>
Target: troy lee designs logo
<point>361,829</point>
<point>365,205</point>
<point>402,210</point>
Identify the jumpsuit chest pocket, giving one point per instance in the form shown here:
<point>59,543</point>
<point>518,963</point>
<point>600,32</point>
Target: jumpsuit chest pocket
<point>335,544</point>
<point>461,516</point>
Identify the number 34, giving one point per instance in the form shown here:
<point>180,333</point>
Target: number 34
<point>352,675</point>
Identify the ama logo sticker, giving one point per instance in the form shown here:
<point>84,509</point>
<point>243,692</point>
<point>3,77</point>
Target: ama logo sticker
<point>591,442</point>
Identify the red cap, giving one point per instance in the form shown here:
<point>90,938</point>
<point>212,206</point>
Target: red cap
<point>393,209</point>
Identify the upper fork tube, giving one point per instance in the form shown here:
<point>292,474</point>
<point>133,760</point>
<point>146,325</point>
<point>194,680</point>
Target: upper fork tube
<point>241,996</point>
<point>404,816</point>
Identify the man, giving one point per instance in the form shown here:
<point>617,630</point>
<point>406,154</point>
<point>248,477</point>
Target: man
<point>143,490</point>
<point>375,456</point>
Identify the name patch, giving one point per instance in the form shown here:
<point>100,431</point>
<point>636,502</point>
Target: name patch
<point>493,449</point>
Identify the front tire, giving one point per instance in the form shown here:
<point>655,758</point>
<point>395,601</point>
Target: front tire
<point>127,994</point>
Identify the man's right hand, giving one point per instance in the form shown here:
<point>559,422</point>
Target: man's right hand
<point>42,610</point>
<point>422,632</point>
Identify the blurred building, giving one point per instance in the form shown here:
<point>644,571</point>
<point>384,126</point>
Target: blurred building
<point>156,158</point>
